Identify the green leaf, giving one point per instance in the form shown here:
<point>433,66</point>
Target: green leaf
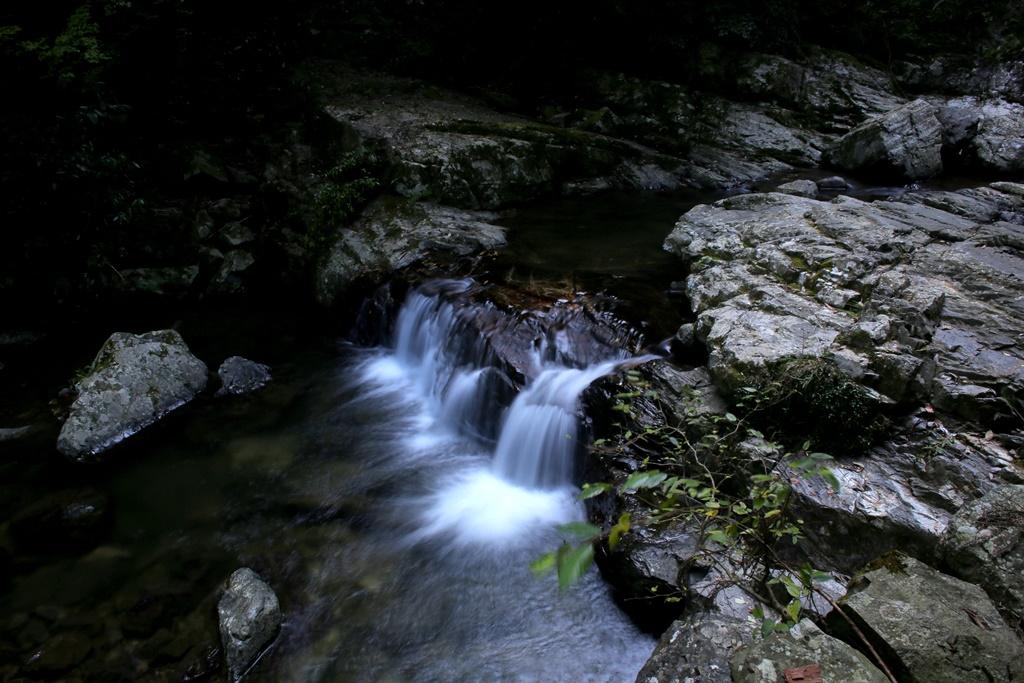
<point>719,536</point>
<point>793,610</point>
<point>791,587</point>
<point>592,490</point>
<point>621,527</point>
<point>581,530</point>
<point>767,628</point>
<point>573,562</point>
<point>643,480</point>
<point>543,564</point>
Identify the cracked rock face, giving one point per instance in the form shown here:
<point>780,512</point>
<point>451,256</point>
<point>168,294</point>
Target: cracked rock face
<point>767,660</point>
<point>934,627</point>
<point>917,297</point>
<point>697,648</point>
<point>906,141</point>
<point>134,381</point>
<point>393,234</point>
<point>250,617</point>
<point>984,544</point>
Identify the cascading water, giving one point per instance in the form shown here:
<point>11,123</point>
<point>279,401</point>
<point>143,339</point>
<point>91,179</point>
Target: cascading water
<point>453,366</point>
<point>537,445</point>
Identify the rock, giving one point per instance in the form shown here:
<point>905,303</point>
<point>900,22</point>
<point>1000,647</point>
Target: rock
<point>984,134</point>
<point>829,84</point>
<point>911,297</point>
<point>984,544</point>
<point>250,618</point>
<point>934,627</point>
<point>800,188</point>
<point>59,654</point>
<point>134,381</point>
<point>69,521</point>
<point>459,152</point>
<point>900,494</point>
<point>16,433</point>
<point>697,648</point>
<point>173,281</point>
<point>393,234</point>
<point>965,76</point>
<point>833,184</point>
<point>906,141</point>
<point>767,660</point>
<point>240,376</point>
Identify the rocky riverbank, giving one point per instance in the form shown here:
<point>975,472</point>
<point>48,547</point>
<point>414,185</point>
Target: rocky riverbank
<point>893,323</point>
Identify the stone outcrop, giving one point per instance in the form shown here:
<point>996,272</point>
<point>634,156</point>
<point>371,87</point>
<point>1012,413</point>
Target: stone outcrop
<point>906,141</point>
<point>133,382</point>
<point>899,494</point>
<point>831,85</point>
<point>455,150</point>
<point>984,544</point>
<point>932,627</point>
<point>767,660</point>
<point>697,648</point>
<point>250,617</point>
<point>916,297</point>
<point>984,134</point>
<point>393,234</point>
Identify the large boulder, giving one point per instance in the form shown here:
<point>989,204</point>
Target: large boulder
<point>906,142</point>
<point>805,645</point>
<point>900,494</point>
<point>828,84</point>
<point>395,233</point>
<point>250,617</point>
<point>984,544</point>
<point>134,381</point>
<point>912,297</point>
<point>697,648</point>
<point>985,134</point>
<point>931,627</point>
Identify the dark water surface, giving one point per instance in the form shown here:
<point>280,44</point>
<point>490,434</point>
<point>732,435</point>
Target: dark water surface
<point>396,553</point>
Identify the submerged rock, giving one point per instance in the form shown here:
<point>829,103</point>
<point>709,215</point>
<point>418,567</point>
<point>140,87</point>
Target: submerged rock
<point>250,618</point>
<point>800,188</point>
<point>935,628</point>
<point>768,660</point>
<point>984,544</point>
<point>240,376</point>
<point>133,382</point>
<point>906,141</point>
<point>697,648</point>
<point>69,521</point>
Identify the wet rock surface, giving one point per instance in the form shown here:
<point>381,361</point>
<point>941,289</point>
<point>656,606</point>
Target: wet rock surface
<point>768,660</point>
<point>933,627</point>
<point>241,376</point>
<point>134,381</point>
<point>393,234</point>
<point>250,618</point>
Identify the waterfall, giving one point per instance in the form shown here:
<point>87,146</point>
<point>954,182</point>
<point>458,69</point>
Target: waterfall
<point>452,363</point>
<point>538,442</point>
